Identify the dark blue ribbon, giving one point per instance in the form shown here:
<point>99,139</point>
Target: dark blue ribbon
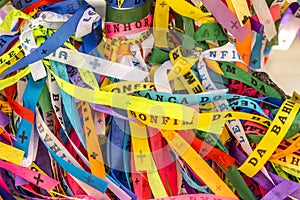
<point>51,44</point>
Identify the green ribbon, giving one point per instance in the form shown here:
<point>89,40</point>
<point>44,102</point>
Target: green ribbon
<point>44,100</point>
<point>238,182</point>
<point>126,16</point>
<point>3,2</point>
<point>188,42</point>
<point>293,130</point>
<point>158,56</point>
<point>274,40</point>
<point>211,139</point>
<point>231,71</point>
<point>210,31</point>
<point>232,173</point>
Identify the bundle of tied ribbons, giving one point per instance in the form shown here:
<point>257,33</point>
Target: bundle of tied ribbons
<point>143,99</point>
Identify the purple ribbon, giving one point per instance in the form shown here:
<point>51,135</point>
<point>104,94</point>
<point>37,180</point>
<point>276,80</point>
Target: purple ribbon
<point>110,111</point>
<point>3,140</point>
<point>10,184</point>
<point>4,119</point>
<point>75,78</point>
<point>189,189</point>
<point>294,7</point>
<point>256,26</point>
<point>289,12</point>
<point>19,181</point>
<point>2,14</point>
<point>283,188</point>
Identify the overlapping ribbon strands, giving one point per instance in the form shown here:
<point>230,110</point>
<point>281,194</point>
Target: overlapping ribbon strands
<point>164,99</point>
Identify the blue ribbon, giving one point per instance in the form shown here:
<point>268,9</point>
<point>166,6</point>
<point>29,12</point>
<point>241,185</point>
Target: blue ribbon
<point>241,102</point>
<point>186,99</point>
<point>126,4</point>
<point>68,127</point>
<point>30,99</point>
<point>129,192</point>
<point>51,44</point>
<point>5,41</point>
<point>190,181</point>
<point>68,102</point>
<point>93,39</point>
<point>80,174</point>
<point>5,195</point>
<point>66,7</point>
<point>66,187</point>
<point>116,152</point>
<point>114,148</point>
<point>126,155</point>
<point>271,101</point>
<point>255,54</point>
<point>267,50</point>
<point>22,4</point>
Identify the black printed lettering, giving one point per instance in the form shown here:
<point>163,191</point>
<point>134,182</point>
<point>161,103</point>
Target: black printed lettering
<point>55,97</point>
<point>197,89</point>
<point>283,159</point>
<point>253,161</point>
<point>165,119</point>
<point>295,161</point>
<point>261,152</point>
<point>282,119</point>
<point>230,69</point>
<point>189,78</point>
<point>276,129</point>
<point>286,109</point>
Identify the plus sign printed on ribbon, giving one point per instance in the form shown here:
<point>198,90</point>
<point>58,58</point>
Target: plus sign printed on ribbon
<point>142,99</point>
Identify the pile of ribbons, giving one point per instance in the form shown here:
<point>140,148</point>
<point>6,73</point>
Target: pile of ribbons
<point>151,99</point>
